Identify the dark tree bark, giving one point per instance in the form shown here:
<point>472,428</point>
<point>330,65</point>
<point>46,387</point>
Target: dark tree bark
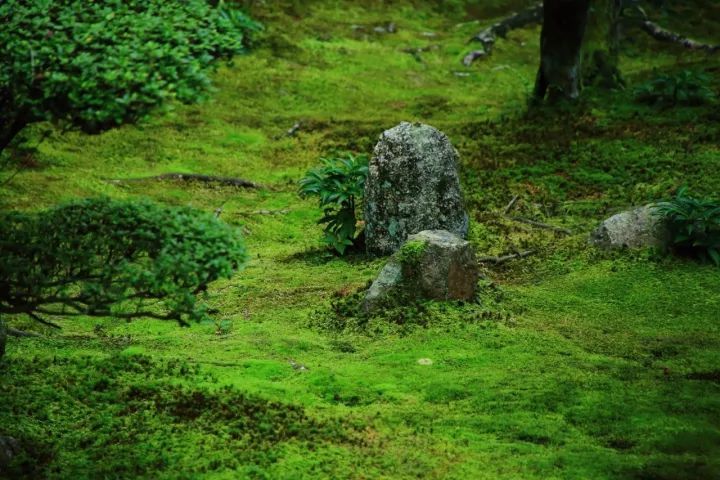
<point>601,45</point>
<point>12,120</point>
<point>3,338</point>
<point>564,24</point>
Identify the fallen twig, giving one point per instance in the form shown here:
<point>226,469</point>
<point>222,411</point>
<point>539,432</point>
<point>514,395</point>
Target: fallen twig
<point>510,205</point>
<point>219,210</point>
<point>293,130</point>
<point>505,258</point>
<point>663,35</point>
<point>415,52</point>
<point>283,211</point>
<point>21,333</point>
<point>537,224</point>
<point>191,177</point>
<point>488,36</point>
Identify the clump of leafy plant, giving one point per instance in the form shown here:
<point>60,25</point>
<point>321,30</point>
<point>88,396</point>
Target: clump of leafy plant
<point>104,257</point>
<point>339,184</point>
<point>98,64</point>
<point>693,225</point>
<point>687,87</point>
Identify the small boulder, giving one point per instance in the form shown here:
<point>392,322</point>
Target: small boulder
<point>432,264</point>
<point>412,185</point>
<point>9,448</point>
<point>637,228</point>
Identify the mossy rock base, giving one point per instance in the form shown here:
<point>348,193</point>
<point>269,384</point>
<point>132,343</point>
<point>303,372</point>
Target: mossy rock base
<point>432,264</point>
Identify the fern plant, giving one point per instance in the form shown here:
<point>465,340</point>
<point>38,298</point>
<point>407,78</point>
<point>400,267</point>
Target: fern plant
<point>339,184</point>
<point>687,87</point>
<point>693,225</point>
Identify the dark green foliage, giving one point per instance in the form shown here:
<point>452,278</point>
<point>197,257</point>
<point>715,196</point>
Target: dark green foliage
<point>103,63</point>
<point>687,87</point>
<point>339,184</point>
<point>135,416</point>
<point>105,257</point>
<point>694,225</point>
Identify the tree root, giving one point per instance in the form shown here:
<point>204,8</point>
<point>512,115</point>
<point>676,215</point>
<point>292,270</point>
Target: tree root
<point>191,177</point>
<point>488,36</point>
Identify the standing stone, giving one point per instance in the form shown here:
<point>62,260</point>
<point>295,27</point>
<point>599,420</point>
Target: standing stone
<point>412,185</point>
<point>433,264</point>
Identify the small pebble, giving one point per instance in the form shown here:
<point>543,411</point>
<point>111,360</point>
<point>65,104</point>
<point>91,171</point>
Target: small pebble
<point>424,361</point>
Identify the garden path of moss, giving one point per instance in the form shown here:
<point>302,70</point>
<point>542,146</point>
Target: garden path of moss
<point>600,365</point>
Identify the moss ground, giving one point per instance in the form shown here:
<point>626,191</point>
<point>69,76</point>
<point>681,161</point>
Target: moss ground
<point>577,363</point>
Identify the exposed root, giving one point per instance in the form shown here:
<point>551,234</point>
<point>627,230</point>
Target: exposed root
<point>191,177</point>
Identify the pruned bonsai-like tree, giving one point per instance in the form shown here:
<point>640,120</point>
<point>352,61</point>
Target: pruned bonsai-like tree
<point>103,257</point>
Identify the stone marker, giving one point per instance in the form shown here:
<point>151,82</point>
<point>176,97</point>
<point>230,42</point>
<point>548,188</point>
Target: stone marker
<point>412,185</point>
<point>637,228</point>
<point>432,264</point>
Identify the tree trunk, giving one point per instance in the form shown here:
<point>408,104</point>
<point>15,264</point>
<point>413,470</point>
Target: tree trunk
<point>13,127</point>
<point>3,338</point>
<point>561,39</point>
<point>600,50</point>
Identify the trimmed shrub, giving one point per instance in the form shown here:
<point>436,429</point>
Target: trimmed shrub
<point>103,63</point>
<point>104,257</point>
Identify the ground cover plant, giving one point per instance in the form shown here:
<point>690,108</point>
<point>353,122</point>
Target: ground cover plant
<point>574,363</point>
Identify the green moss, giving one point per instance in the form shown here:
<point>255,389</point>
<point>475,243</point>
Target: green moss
<point>411,252</point>
<point>577,363</point>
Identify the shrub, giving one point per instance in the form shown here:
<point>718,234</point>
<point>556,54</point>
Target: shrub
<point>694,225</point>
<point>686,87</point>
<point>339,183</point>
<point>103,257</point>
<point>99,64</point>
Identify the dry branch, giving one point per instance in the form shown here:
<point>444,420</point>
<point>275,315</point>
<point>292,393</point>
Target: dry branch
<point>537,224</point>
<point>663,35</point>
<point>500,29</point>
<point>505,258</point>
<point>510,205</point>
<point>21,333</point>
<point>191,177</point>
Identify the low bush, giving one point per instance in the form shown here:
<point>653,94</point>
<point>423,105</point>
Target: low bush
<point>694,225</point>
<point>339,183</point>
<point>104,257</point>
<point>687,87</point>
<point>98,64</point>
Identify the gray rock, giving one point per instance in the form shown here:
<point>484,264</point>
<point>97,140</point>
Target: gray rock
<point>9,448</point>
<point>412,185</point>
<point>432,264</point>
<point>637,228</point>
